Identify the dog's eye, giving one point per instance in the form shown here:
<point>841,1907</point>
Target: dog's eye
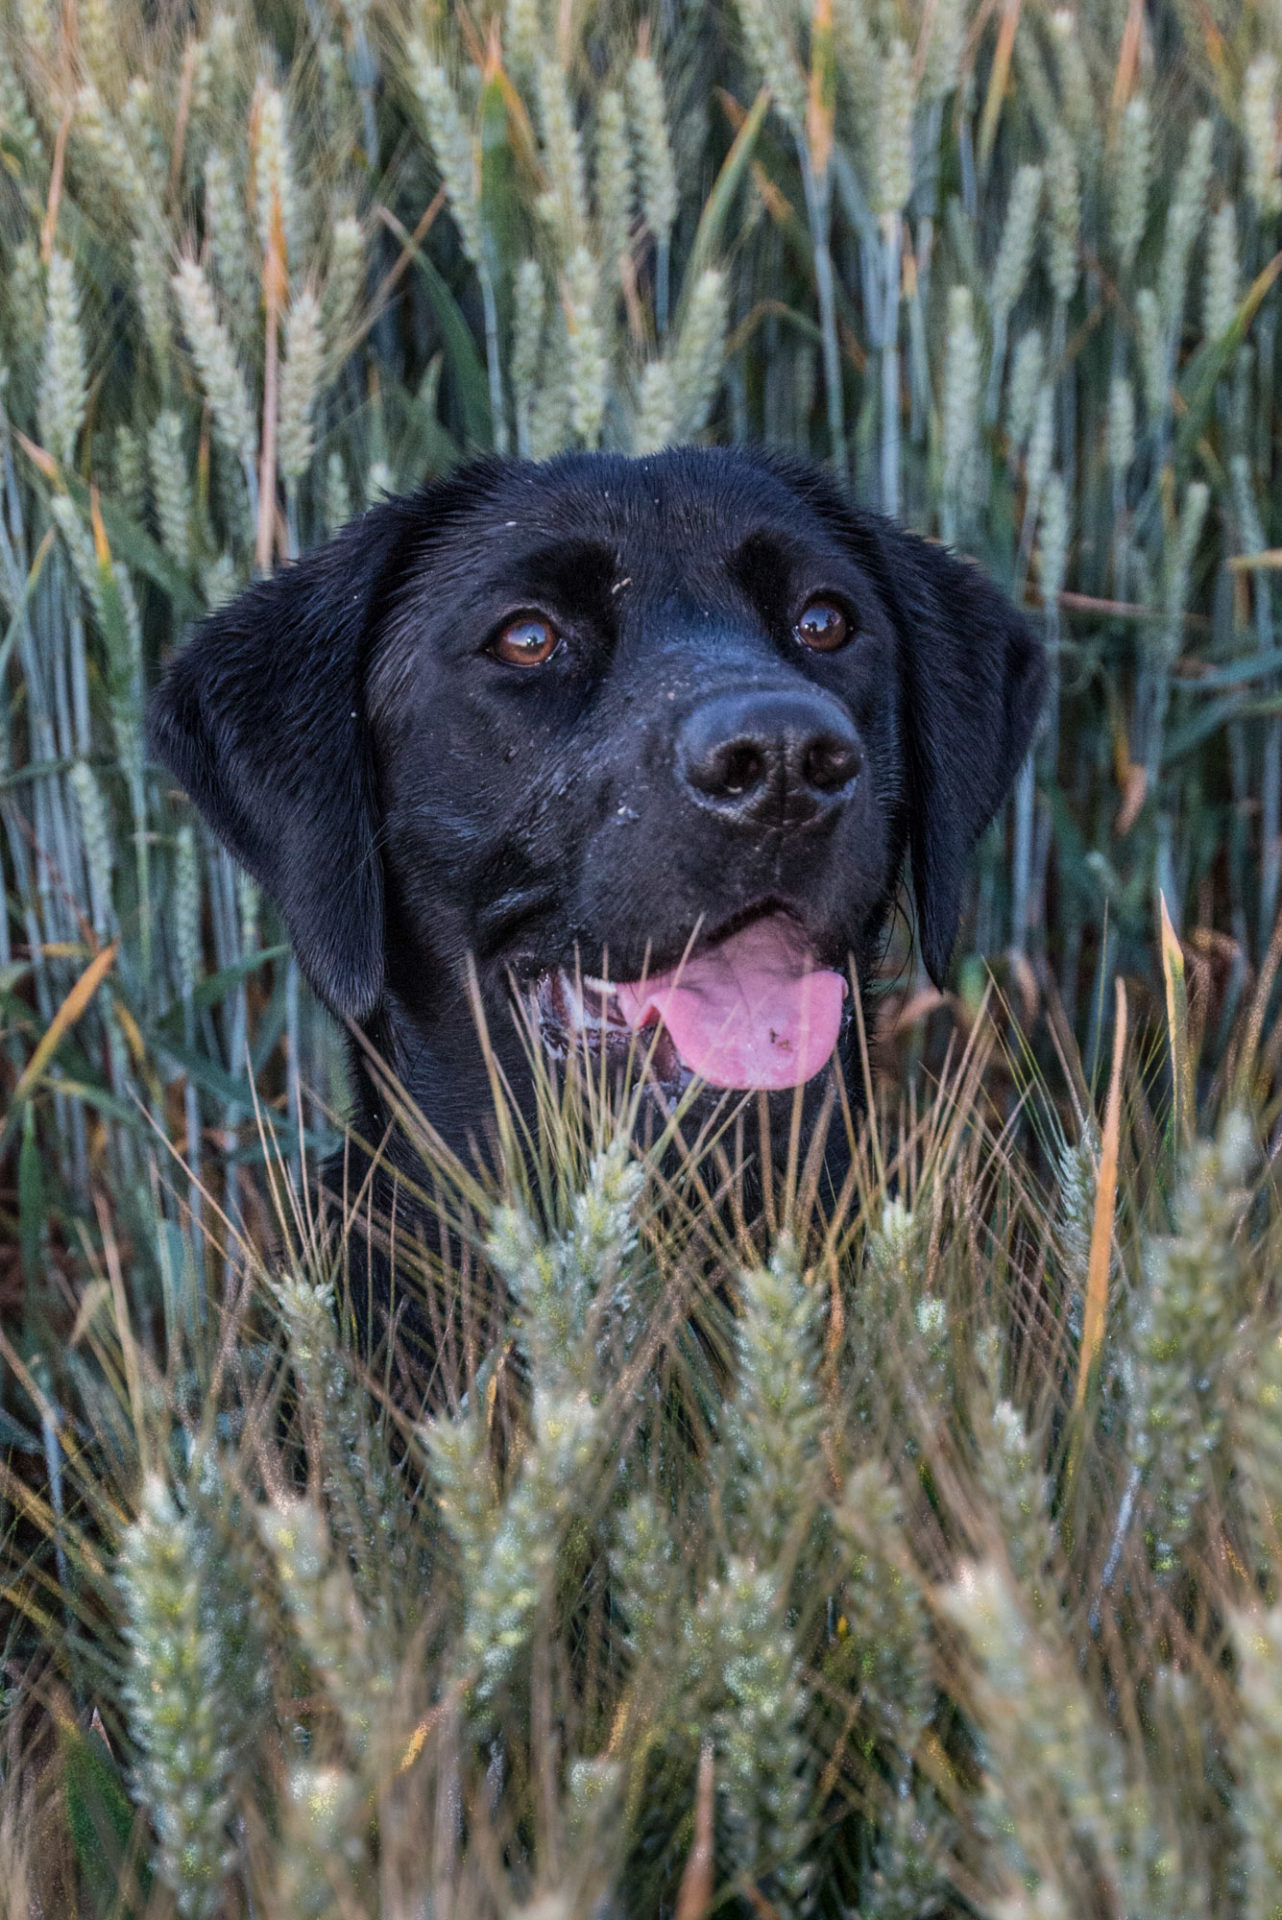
<point>822,627</point>
<point>526,642</point>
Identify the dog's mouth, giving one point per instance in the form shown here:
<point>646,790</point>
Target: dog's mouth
<point>750,1008</point>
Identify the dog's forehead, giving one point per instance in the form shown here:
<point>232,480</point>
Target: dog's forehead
<point>690,507</point>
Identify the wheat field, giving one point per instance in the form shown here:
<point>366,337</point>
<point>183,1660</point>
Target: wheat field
<point>917,1555</point>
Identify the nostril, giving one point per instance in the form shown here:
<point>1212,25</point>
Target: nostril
<point>742,767</point>
<point>774,757</point>
<point>829,764</point>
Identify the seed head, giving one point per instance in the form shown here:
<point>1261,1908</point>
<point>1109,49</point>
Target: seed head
<point>99,844</point>
<point>1257,1641</point>
<point>452,147</point>
<point>299,383</point>
<point>171,486</point>
<point>64,385</point>
<point>893,157</point>
<point>1186,1315</point>
<point>588,367</point>
<point>151,283</point>
<point>1041,442</point>
<point>114,156</point>
<point>229,241</point>
<point>1131,176</point>
<point>771,49</point>
<point>1027,363</point>
<point>1075,87</point>
<point>274,184</point>
<point>1184,217</point>
<point>1220,298</point>
<point>1245,505</point>
<point>697,358</point>
<point>612,179</point>
<point>129,476</point>
<point>655,169</point>
<point>193,1688</point>
<point>1065,192</point>
<point>1260,133</point>
<point>1153,353</point>
<point>565,203</point>
<point>656,425</point>
<point>345,281</point>
<point>529,302</point>
<point>944,49</point>
<point>216,361</point>
<point>961,391</point>
<point>338,495</point>
<point>1052,539</point>
<point>1014,255</point>
<point>187,909</point>
<point>1121,425</point>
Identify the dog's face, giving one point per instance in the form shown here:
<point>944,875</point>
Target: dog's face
<point>648,738</point>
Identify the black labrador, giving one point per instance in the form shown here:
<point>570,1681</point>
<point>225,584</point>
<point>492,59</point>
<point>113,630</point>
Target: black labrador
<point>645,740</point>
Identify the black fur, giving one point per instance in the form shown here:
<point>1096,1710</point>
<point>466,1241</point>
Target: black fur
<point>410,800</point>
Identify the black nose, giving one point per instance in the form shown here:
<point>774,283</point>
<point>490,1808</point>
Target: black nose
<point>781,759</point>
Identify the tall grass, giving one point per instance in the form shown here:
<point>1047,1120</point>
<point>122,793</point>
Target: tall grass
<point>837,1539</point>
<point>630,1584</point>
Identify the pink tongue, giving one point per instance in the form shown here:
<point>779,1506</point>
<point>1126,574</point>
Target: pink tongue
<point>753,1011</point>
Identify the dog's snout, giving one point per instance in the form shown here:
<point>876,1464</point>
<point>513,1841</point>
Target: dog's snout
<point>784,759</point>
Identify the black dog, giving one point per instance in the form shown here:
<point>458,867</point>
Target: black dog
<point>649,738</point>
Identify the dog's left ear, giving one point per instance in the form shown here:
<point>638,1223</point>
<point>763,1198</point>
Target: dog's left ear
<point>261,717</point>
<point>972,676</point>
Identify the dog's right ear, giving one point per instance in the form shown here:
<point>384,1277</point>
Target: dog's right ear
<point>262,719</point>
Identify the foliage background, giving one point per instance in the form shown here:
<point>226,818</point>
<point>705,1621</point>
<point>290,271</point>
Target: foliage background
<point>1011,270</point>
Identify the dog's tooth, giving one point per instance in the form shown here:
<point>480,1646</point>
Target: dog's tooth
<point>598,985</point>
<point>574,1008</point>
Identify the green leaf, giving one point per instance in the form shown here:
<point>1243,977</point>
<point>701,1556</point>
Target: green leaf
<point>1207,721</point>
<point>424,444</point>
<point>716,211</point>
<point>500,201</point>
<point>1202,374</point>
<point>233,1090</point>
<point>101,1818</point>
<point>130,543</point>
<point>97,1097</point>
<point>31,1196</point>
<point>463,355</point>
<point>20,611</point>
<point>1252,666</point>
<point>214,989</point>
<point>237,1091</point>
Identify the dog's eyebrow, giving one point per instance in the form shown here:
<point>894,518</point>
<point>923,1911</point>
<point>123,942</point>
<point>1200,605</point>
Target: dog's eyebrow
<point>569,571</point>
<point>762,565</point>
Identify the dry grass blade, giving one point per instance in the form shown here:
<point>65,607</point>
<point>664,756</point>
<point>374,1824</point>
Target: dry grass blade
<point>694,1895</point>
<point>51,1039</point>
<point>1177,1025</point>
<point>1101,1253</point>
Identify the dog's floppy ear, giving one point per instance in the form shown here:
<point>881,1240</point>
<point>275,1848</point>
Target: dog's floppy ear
<point>972,676</point>
<point>261,717</point>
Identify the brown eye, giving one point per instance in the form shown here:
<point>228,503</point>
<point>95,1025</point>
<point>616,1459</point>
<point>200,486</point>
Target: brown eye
<point>526,642</point>
<point>822,627</point>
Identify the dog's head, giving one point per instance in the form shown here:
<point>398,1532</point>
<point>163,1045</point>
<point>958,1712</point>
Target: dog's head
<point>651,737</point>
